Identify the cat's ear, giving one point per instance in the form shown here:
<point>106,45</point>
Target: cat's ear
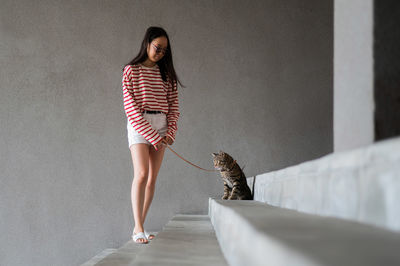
<point>214,154</point>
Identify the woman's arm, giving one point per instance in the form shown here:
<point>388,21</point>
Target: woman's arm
<point>133,113</point>
<point>173,111</point>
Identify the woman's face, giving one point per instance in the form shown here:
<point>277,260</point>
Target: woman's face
<point>156,49</point>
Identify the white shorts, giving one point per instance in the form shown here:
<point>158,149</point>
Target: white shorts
<point>157,122</point>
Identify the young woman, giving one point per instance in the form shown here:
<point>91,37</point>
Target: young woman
<point>151,105</point>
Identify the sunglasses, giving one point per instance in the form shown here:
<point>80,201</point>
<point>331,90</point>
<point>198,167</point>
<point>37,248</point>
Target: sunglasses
<point>159,49</point>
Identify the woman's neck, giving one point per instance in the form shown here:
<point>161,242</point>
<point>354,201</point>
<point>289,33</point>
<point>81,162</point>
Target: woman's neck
<point>148,63</point>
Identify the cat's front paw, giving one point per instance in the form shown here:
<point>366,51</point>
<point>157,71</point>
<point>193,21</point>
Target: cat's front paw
<point>232,197</point>
<point>225,197</point>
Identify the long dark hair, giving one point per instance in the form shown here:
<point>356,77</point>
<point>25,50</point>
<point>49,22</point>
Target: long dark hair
<point>166,64</point>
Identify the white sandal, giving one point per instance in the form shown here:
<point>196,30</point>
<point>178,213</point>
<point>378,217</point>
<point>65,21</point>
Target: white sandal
<point>139,235</point>
<point>148,235</point>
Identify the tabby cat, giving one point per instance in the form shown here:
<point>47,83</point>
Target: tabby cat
<point>235,183</point>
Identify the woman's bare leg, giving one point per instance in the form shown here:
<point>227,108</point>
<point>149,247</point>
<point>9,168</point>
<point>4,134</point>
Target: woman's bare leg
<point>140,159</point>
<point>155,160</point>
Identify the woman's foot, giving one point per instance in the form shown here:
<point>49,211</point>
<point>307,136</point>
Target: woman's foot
<point>140,238</point>
<point>148,235</point>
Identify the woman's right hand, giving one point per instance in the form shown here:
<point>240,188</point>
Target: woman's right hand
<point>160,145</point>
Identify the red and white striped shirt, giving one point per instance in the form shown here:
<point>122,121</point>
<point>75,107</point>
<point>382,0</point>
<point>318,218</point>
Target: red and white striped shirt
<point>144,89</point>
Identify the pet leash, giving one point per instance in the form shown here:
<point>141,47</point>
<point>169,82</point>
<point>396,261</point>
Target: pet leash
<point>188,161</point>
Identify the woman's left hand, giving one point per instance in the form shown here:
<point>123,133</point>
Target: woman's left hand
<point>168,140</point>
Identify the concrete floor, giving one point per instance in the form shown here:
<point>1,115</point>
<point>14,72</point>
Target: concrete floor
<point>123,256</point>
<point>185,240</point>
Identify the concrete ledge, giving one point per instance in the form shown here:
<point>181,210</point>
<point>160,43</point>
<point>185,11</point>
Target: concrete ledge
<point>361,185</point>
<point>255,233</point>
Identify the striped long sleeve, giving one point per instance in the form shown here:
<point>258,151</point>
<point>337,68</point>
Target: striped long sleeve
<point>173,111</point>
<point>134,112</point>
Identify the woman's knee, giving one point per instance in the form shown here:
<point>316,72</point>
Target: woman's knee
<point>151,183</point>
<point>141,176</point>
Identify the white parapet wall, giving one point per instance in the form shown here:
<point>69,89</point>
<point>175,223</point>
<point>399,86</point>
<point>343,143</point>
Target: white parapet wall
<point>361,185</point>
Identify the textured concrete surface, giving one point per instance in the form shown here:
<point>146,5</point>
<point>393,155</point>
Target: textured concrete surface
<point>123,256</point>
<point>185,240</point>
<point>362,185</point>
<point>258,85</point>
<point>99,257</point>
<point>255,233</point>
<point>353,74</point>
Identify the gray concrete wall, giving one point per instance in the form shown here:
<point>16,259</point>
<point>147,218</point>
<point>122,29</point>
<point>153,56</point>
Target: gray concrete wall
<point>353,74</point>
<point>259,86</point>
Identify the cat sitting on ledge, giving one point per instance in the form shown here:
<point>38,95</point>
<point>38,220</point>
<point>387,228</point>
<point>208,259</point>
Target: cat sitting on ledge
<point>235,183</point>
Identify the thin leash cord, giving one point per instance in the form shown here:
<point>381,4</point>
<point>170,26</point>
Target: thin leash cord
<point>188,161</point>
